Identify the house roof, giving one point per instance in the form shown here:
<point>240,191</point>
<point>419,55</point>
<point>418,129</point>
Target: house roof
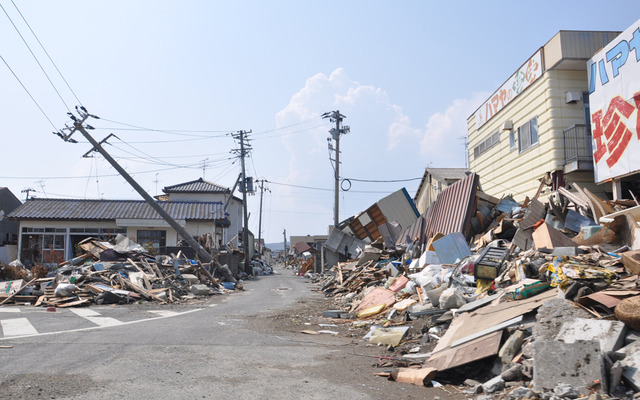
<point>197,186</point>
<point>100,210</point>
<point>442,174</point>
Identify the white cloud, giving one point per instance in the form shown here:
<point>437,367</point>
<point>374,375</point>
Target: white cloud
<point>441,143</point>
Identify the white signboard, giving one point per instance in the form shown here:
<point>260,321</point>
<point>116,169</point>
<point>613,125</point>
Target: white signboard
<point>522,79</point>
<point>614,99</point>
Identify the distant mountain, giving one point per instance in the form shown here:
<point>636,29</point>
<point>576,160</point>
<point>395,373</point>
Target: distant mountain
<point>276,246</point>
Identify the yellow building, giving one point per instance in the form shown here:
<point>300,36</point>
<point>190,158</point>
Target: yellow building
<point>537,124</point>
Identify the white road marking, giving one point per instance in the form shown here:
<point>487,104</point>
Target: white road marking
<point>104,321</point>
<point>9,309</point>
<point>84,312</point>
<point>95,317</point>
<point>17,327</point>
<point>35,333</point>
<point>164,313</point>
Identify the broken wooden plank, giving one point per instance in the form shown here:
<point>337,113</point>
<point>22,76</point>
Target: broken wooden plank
<point>207,274</point>
<point>127,283</point>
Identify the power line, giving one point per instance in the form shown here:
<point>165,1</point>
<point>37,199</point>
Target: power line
<point>35,58</point>
<point>383,181</point>
<point>167,131</point>
<point>26,90</point>
<point>46,52</point>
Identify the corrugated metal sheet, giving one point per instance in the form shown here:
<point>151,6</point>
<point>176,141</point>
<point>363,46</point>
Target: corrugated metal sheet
<point>453,209</point>
<point>101,210</point>
<point>197,186</point>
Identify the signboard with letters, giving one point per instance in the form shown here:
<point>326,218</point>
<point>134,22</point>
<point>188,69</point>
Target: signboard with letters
<point>522,79</point>
<point>614,100</point>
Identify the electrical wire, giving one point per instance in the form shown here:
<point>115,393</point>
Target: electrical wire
<point>26,90</point>
<point>167,131</point>
<point>383,181</point>
<point>46,52</point>
<point>36,58</point>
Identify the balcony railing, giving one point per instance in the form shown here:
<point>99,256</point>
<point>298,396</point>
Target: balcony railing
<point>577,144</point>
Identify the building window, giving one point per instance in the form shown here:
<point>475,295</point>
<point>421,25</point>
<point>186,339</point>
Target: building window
<point>152,241</point>
<point>528,134</point>
<point>486,144</point>
<point>512,140</point>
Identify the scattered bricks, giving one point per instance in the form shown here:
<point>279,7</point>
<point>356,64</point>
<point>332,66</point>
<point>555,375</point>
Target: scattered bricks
<point>615,374</point>
<point>566,391</point>
<point>610,334</point>
<point>511,347</point>
<point>594,396</point>
<point>521,392</point>
<point>471,382</point>
<point>632,336</point>
<point>493,385</point>
<point>527,368</point>
<point>200,290</point>
<point>576,364</point>
<point>631,365</point>
<point>513,373</point>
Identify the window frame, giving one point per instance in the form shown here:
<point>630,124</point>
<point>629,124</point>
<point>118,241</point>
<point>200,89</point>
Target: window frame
<point>531,137</point>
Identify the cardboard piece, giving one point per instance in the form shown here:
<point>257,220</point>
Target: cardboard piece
<point>548,238</point>
<point>631,261</point>
<point>415,376</point>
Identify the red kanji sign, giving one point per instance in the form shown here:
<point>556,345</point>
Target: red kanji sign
<point>611,133</point>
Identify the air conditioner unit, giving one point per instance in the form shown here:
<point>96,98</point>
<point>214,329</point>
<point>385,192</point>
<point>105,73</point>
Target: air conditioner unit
<point>572,97</point>
<point>507,125</point>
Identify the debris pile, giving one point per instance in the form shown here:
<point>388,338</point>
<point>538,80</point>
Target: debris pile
<point>526,300</point>
<point>118,272</point>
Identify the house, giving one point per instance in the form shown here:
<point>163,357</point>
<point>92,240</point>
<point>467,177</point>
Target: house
<point>433,182</point>
<point>536,125</point>
<point>202,190</point>
<point>8,228</point>
<point>310,243</point>
<point>50,229</point>
<point>386,220</point>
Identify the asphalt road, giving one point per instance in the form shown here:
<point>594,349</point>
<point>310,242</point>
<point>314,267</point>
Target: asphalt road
<point>216,349</point>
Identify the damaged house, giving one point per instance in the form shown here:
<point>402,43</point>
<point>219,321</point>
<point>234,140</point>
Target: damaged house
<point>50,229</point>
<point>386,220</point>
<point>537,124</point>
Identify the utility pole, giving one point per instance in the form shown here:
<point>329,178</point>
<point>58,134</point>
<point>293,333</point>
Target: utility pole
<point>262,189</point>
<point>339,130</point>
<point>78,126</point>
<point>284,232</point>
<point>27,191</point>
<point>241,136</point>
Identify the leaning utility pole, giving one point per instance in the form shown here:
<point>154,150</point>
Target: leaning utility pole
<point>241,136</point>
<point>335,116</point>
<point>262,189</point>
<point>78,126</point>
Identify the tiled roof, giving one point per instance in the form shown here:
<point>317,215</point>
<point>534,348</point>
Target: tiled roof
<point>197,186</point>
<point>101,210</point>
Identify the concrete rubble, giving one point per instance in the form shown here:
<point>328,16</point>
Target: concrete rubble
<point>506,299</point>
<point>121,272</point>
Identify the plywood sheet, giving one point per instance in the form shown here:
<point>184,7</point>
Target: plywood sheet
<point>376,296</point>
<point>474,350</point>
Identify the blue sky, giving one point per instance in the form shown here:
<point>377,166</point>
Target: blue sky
<point>406,74</point>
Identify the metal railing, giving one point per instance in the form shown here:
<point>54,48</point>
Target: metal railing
<point>577,143</point>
